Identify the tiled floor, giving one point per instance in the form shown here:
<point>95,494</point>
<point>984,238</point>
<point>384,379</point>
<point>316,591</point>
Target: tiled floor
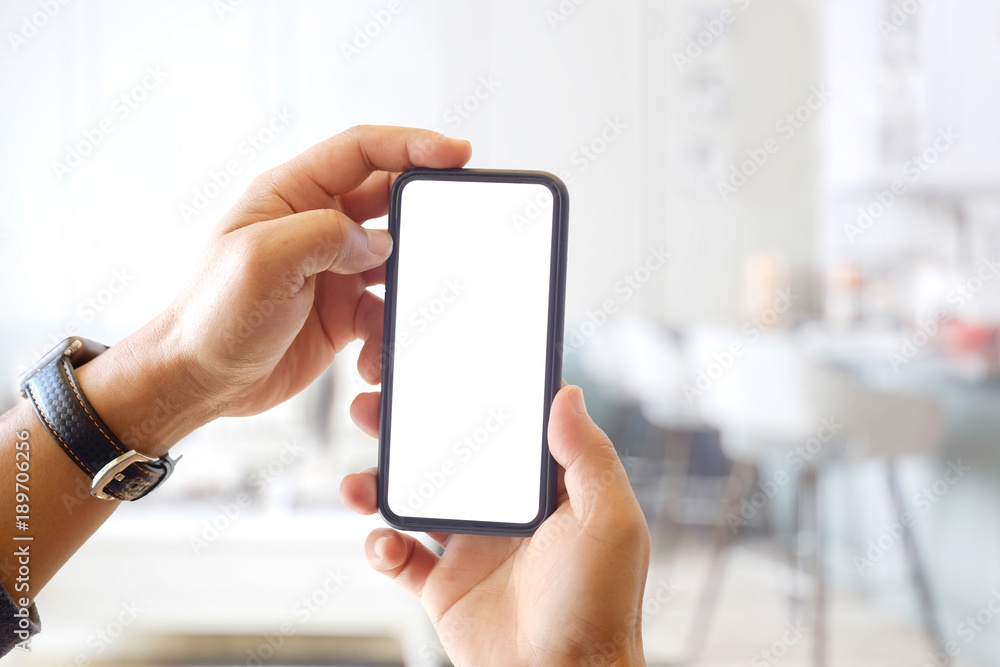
<point>752,622</point>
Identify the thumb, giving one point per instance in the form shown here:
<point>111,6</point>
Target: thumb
<point>596,482</point>
<point>320,240</point>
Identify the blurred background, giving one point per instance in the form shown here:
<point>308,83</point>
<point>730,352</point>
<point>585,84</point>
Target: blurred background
<point>782,303</point>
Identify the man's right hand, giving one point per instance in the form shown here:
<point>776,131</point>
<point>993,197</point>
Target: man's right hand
<point>571,594</point>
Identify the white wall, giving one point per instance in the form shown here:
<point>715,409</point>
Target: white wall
<point>761,68</point>
<point>559,86</point>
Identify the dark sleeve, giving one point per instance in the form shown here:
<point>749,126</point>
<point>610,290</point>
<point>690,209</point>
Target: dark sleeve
<point>16,624</point>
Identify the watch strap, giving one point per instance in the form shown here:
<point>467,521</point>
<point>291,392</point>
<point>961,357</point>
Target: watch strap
<point>116,471</point>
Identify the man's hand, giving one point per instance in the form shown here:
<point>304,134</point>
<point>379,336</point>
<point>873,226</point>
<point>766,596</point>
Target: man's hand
<point>282,286</point>
<point>279,291</point>
<point>569,595</point>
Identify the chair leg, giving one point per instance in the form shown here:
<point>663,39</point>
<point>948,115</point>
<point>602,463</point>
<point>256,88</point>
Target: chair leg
<point>928,608</point>
<point>725,537</point>
<point>672,490</point>
<point>819,546</point>
<point>796,597</point>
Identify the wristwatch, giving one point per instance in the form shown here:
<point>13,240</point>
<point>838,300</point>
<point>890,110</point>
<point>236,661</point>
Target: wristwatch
<point>116,472</point>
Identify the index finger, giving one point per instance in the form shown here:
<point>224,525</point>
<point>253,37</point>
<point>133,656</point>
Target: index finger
<point>341,163</point>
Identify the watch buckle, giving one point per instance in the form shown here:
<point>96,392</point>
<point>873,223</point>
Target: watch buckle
<point>112,471</point>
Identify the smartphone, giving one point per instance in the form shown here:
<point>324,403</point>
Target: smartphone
<point>474,307</point>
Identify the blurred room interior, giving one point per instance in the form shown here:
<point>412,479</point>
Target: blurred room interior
<point>785,226</point>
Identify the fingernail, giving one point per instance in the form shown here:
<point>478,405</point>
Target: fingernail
<point>379,242</point>
<point>578,403</point>
<point>380,546</point>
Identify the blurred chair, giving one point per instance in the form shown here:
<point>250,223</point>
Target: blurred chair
<point>673,463</point>
<point>773,397</point>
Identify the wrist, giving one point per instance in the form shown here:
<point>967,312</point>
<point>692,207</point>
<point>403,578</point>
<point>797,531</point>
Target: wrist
<point>144,390</point>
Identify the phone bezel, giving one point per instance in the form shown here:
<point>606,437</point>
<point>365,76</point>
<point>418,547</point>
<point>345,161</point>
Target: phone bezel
<point>553,353</point>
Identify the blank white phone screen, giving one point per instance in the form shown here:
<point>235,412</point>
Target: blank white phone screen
<point>469,366</point>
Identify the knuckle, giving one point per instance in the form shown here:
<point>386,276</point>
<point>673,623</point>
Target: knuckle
<point>262,183</point>
<point>336,245</point>
<point>356,131</point>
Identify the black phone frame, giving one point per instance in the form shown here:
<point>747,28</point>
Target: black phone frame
<point>553,348</point>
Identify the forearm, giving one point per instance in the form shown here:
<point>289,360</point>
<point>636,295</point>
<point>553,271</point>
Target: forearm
<point>59,515</point>
<point>142,391</point>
